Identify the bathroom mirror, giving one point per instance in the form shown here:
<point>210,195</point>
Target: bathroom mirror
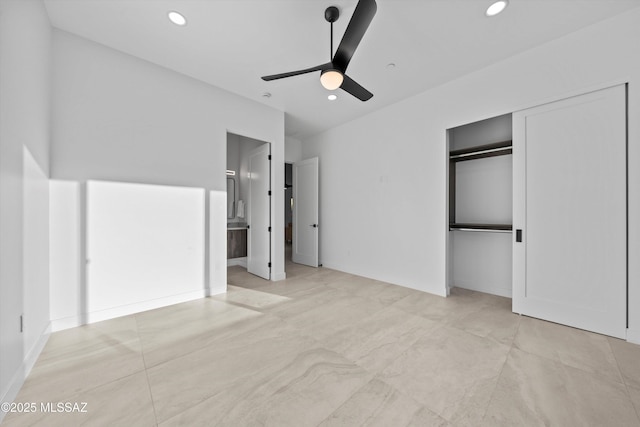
<point>231,198</point>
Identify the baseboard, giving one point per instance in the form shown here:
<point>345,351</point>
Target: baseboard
<point>279,276</point>
<point>111,313</point>
<point>501,292</point>
<point>633,336</point>
<point>441,292</point>
<point>242,262</point>
<point>25,368</point>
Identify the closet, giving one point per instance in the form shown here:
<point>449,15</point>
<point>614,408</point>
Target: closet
<point>480,206</point>
<point>538,210</point>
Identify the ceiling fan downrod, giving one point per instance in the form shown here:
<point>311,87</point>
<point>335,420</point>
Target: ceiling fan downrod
<point>331,14</point>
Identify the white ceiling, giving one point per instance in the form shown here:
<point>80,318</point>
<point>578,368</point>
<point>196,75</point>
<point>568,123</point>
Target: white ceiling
<point>232,43</point>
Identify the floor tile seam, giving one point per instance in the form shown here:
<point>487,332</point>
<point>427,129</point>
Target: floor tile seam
<point>245,306</point>
<point>509,343</point>
<point>495,387</point>
<point>395,305</point>
<point>270,376</point>
<point>408,396</point>
<point>375,298</point>
<point>189,406</point>
<point>183,410</point>
<point>405,351</point>
<point>423,335</point>
<point>556,360</point>
<point>624,379</point>
<point>303,330</point>
<point>92,348</point>
<point>494,342</point>
<point>593,375</point>
<point>635,407</point>
<point>516,346</point>
<point>374,376</point>
<point>193,405</point>
<point>89,390</point>
<point>100,384</point>
<point>315,309</point>
<point>355,362</point>
<point>146,371</point>
<point>149,365</point>
<point>624,382</point>
<point>288,295</point>
<point>218,343</point>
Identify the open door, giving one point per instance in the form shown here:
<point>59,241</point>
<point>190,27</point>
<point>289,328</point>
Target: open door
<point>259,213</point>
<point>305,212</point>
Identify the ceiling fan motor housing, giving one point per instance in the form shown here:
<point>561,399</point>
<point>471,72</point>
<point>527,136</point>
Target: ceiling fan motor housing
<point>331,14</point>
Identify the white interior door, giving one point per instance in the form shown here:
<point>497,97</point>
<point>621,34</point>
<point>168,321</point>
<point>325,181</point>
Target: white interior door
<point>305,212</point>
<point>259,213</point>
<point>570,203</point>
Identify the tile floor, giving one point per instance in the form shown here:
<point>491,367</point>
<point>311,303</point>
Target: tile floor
<point>332,349</point>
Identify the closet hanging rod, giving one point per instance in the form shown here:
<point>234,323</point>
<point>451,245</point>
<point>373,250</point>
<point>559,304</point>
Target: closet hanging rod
<point>475,153</point>
<point>486,230</point>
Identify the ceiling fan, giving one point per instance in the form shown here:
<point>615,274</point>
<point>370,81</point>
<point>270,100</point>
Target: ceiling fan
<point>332,74</point>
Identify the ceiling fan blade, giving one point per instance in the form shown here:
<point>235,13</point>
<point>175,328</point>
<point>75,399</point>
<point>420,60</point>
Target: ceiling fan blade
<point>350,86</point>
<point>362,17</point>
<point>297,73</point>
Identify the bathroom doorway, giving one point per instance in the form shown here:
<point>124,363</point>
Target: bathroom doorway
<point>249,205</point>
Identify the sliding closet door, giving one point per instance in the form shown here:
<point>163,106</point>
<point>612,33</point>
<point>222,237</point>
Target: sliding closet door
<point>570,203</point>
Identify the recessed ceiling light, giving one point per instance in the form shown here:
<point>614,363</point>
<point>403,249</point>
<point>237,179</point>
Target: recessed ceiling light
<point>496,7</point>
<point>177,18</point>
<point>332,97</point>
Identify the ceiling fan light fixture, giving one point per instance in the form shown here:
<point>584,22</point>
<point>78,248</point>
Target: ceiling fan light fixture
<point>331,79</point>
<point>497,7</point>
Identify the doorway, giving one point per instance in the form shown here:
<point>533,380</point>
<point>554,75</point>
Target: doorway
<point>288,211</point>
<point>301,214</point>
<point>249,205</point>
<point>305,212</point>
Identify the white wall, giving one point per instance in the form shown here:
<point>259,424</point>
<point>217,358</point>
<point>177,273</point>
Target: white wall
<point>165,261</point>
<point>67,273</point>
<point>35,252</point>
<point>25,54</point>
<point>292,150</point>
<point>383,176</point>
<point>119,118</point>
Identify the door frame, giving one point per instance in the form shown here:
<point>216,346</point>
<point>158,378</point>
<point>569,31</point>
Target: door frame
<point>274,275</point>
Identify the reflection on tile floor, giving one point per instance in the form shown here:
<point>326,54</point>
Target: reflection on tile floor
<point>332,349</point>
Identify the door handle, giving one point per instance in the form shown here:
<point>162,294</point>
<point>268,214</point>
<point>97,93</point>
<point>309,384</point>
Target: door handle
<point>314,225</point>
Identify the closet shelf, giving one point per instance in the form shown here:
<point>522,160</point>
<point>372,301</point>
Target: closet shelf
<point>481,151</point>
<point>494,228</point>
